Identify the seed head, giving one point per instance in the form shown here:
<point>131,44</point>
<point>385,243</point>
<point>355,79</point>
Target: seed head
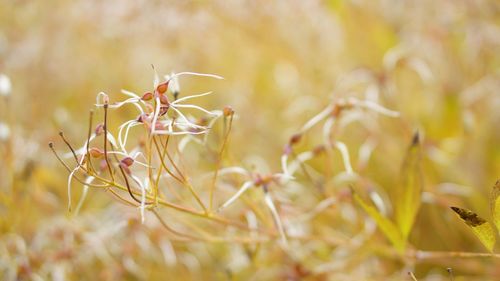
<point>162,88</point>
<point>228,111</point>
<point>147,96</point>
<point>99,129</point>
<point>164,100</point>
<point>295,139</point>
<point>127,161</point>
<point>96,152</point>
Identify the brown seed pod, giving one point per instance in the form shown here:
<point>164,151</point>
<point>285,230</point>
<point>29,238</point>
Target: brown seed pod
<point>96,152</point>
<point>147,96</point>
<point>295,138</point>
<point>162,88</point>
<point>99,129</point>
<point>103,165</point>
<point>319,149</point>
<point>164,100</point>
<point>228,111</point>
<point>128,161</point>
<point>125,168</point>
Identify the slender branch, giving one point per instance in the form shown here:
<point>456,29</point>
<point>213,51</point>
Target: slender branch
<point>106,141</point>
<point>91,115</point>
<point>61,134</point>
<point>219,161</point>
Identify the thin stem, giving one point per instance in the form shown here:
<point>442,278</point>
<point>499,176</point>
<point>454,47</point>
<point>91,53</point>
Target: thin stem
<point>61,134</point>
<point>128,185</point>
<point>164,224</point>
<point>412,276</point>
<point>219,160</point>
<point>120,198</point>
<point>51,145</point>
<point>91,115</point>
<point>162,159</point>
<point>106,142</point>
<point>184,180</point>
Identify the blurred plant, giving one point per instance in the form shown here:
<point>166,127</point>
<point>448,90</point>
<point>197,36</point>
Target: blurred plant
<point>407,200</point>
<point>143,169</point>
<point>483,230</point>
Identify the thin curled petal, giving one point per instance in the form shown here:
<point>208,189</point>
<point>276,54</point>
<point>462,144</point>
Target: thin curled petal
<point>191,97</point>
<point>270,204</point>
<point>301,158</point>
<point>345,156</point>
<point>246,185</point>
<point>190,124</point>
<point>88,181</point>
<point>376,107</point>
<point>155,115</point>
<point>233,170</point>
<point>316,119</point>
<point>195,107</point>
<point>194,74</point>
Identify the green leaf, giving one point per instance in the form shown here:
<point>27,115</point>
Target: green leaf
<point>408,197</point>
<point>495,205</point>
<point>481,228</point>
<point>386,226</point>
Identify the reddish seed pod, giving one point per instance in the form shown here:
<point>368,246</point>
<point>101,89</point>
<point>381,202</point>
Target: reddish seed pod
<point>164,100</point>
<point>203,121</point>
<point>162,88</point>
<point>228,111</point>
<point>96,152</point>
<point>128,161</point>
<point>99,129</point>
<point>319,149</point>
<point>147,96</point>
<point>337,108</point>
<point>295,139</point>
<point>125,168</point>
<point>103,165</point>
<point>105,99</point>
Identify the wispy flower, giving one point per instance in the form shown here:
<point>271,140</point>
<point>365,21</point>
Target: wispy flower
<point>5,85</point>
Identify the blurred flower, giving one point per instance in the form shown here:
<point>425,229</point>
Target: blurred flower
<point>5,85</point>
<point>4,131</point>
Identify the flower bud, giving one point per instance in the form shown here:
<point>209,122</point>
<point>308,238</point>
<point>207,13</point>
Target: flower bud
<point>125,168</point>
<point>295,139</point>
<point>96,152</point>
<point>228,111</point>
<point>162,88</point>
<point>164,100</point>
<point>147,96</point>
<point>319,149</point>
<point>128,161</point>
<point>99,129</point>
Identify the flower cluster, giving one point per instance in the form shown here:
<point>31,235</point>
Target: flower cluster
<point>143,172</point>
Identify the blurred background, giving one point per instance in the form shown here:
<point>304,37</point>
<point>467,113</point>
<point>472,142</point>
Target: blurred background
<point>436,62</point>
